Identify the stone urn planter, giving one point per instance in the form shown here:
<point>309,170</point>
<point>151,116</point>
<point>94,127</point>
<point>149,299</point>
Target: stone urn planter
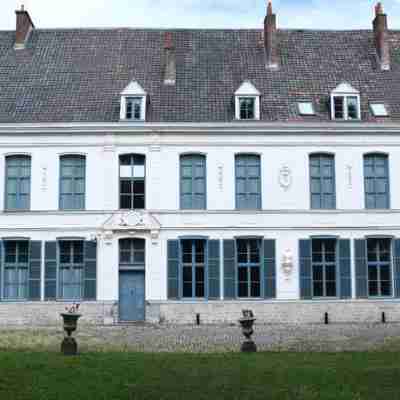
<point>247,322</point>
<point>69,346</point>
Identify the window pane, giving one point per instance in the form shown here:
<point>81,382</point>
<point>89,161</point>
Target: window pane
<point>138,171</point>
<point>331,289</point>
<point>373,288</point>
<point>352,107</point>
<point>138,202</point>
<point>338,107</point>
<point>126,202</point>
<point>386,288</point>
<point>318,289</point>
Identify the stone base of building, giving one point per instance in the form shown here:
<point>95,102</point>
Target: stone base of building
<point>276,312</point>
<point>213,312</point>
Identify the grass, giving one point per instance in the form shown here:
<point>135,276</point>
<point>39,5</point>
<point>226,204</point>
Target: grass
<point>140,376</point>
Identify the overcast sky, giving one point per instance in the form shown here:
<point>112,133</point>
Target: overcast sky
<point>318,14</point>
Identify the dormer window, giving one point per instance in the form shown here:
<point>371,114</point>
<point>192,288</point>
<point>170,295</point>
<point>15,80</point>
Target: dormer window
<point>345,103</point>
<point>133,103</point>
<point>247,102</point>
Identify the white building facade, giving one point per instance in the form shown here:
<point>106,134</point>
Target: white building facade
<point>181,222</point>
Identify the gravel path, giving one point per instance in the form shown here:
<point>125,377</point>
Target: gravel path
<point>209,338</point>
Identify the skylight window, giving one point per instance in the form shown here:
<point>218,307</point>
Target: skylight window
<point>379,110</point>
<point>306,108</point>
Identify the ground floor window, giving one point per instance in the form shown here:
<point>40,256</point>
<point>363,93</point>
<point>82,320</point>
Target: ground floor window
<point>193,268</point>
<point>16,269</point>
<point>324,267</point>
<point>248,267</point>
<point>71,269</point>
<point>379,258</point>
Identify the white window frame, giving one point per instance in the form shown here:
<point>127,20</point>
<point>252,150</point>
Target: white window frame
<point>133,90</point>
<point>247,91</point>
<point>345,91</point>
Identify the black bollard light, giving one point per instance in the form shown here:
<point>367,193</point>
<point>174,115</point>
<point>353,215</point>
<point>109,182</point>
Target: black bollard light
<point>383,318</point>
<point>197,319</point>
<point>326,318</point>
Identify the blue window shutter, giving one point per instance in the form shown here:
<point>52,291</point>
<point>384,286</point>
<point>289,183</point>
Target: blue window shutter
<point>213,269</point>
<point>229,269</point>
<point>269,269</point>
<point>50,279</point>
<point>193,181</point>
<point>305,269</point>
<point>248,181</point>
<point>35,263</point>
<point>173,269</point>
<point>1,266</point>
<point>90,270</point>
<point>360,247</point>
<point>345,268</point>
<point>396,267</point>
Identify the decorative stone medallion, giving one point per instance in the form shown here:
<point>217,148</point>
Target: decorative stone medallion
<point>287,263</point>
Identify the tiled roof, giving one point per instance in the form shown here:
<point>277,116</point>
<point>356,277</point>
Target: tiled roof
<point>77,75</point>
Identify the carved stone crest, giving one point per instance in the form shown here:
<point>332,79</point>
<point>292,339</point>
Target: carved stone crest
<point>285,177</point>
<point>287,263</point>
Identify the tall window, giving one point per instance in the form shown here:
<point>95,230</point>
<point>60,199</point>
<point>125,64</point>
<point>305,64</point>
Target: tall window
<point>322,181</point>
<point>324,267</point>
<point>18,182</point>
<point>16,269</point>
<point>193,268</point>
<point>379,267</point>
<point>193,181</point>
<point>72,182</point>
<point>248,267</point>
<point>248,181</point>
<point>131,253</point>
<point>132,181</point>
<point>71,264</point>
<point>376,181</point>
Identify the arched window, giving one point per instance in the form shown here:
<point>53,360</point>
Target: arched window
<point>72,182</point>
<point>322,181</point>
<point>248,181</point>
<point>132,181</point>
<point>376,181</point>
<point>18,182</point>
<point>193,181</point>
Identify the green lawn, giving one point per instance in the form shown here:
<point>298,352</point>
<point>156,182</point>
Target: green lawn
<point>114,376</point>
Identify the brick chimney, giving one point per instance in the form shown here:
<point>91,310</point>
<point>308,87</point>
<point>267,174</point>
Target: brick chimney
<point>24,28</point>
<point>381,38</point>
<point>169,60</point>
<point>270,38</point>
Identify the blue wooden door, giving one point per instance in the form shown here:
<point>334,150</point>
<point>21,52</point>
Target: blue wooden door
<point>131,296</point>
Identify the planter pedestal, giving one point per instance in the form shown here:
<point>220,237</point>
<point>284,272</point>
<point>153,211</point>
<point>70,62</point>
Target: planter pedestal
<point>247,322</point>
<point>69,346</point>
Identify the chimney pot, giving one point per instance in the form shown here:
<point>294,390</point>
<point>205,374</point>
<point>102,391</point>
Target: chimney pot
<point>169,60</point>
<point>24,28</point>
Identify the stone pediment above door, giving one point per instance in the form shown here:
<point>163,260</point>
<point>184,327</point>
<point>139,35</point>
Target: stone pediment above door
<point>132,222</point>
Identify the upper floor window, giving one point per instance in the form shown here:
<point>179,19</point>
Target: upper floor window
<point>322,181</point>
<point>248,181</point>
<point>133,103</point>
<point>376,181</point>
<point>16,269</point>
<point>247,102</point>
<point>193,181</point>
<point>71,269</point>
<point>345,103</point>
<point>379,258</point>
<point>18,182</point>
<point>72,182</point>
<point>132,181</point>
<point>131,253</point>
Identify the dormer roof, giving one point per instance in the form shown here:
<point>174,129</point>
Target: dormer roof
<point>247,89</point>
<point>133,89</point>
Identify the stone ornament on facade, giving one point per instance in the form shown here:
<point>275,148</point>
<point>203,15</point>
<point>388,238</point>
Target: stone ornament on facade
<point>287,263</point>
<point>285,177</point>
